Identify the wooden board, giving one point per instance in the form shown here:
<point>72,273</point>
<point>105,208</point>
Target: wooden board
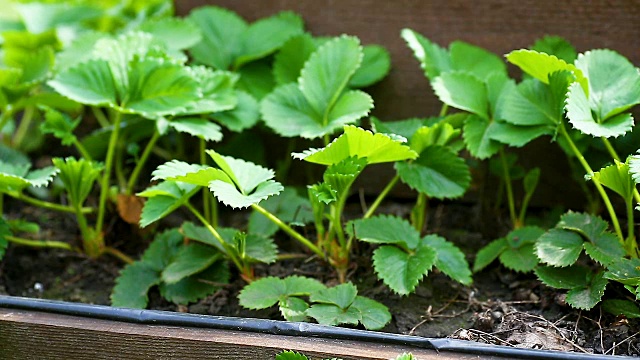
<point>498,25</point>
<point>36,335</point>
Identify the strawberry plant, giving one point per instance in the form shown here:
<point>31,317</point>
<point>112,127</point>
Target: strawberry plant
<point>292,355</point>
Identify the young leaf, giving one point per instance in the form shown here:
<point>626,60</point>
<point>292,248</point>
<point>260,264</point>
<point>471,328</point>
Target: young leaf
<point>357,142</point>
<point>373,315</point>
<point>581,116</point>
<point>617,177</point>
<point>438,172</point>
<point>559,247</point>
<point>586,297</point>
<point>478,136</point>
<point>175,33</point>
<point>402,271</point>
<point>164,198</point>
<point>489,253</point>
<point>557,46</point>
<point>433,59</point>
<point>195,174</point>
<point>540,65</point>
<point>197,286</point>
<point>621,307</point>
<point>462,91</point>
<point>133,284</point>
<point>290,355</point>
<point>59,125</point>
<point>190,260</point>
<point>449,259</point>
<point>78,177</point>
<point>197,127</point>
<point>385,230</point>
<point>376,63</point>
<point>405,128</point>
<point>294,309</point>
<point>18,177</point>
<point>563,278</point>
<point>318,104</point>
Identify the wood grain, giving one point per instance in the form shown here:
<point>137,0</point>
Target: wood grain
<point>36,335</point>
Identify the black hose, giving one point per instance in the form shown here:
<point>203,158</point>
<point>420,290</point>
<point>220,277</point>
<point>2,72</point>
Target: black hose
<point>156,317</point>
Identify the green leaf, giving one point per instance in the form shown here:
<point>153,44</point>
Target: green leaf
<point>59,125</point>
<point>522,259</point>
<point>533,103</point>
<point>540,65</point>
<point>559,247</point>
<point>402,271</point>
<point>581,116</point>
<point>530,181</point>
<point>557,46</point>
<point>88,83</point>
<point>587,297</point>
<point>198,127</point>
<point>328,70</point>
<point>489,253</point>
<point>614,82</point>
<point>190,260</point>
<point>323,193</point>
<point>617,177</point>
<point>449,259</point>
<point>39,17</point>
<point>405,128</point>
<point>290,355</point>
<point>217,91</point>
<point>289,61</point>
<point>265,36</point>
<point>195,174</point>
<point>133,284</point>
<point>563,278</point>
<point>385,229</point>
<point>621,307</point>
<point>357,142</point>
<point>477,135</point>
<point>515,135</point>
<point>18,177</point>
<point>288,206</point>
<point>433,59</point>
<point>78,177</point>
<point>405,356</point>
<point>197,286</point>
<point>376,63</point>
<point>373,315</point>
<point>625,271</point>
<point>162,250</point>
<point>634,168</point>
<point>341,176</point>
<point>245,115</point>
<point>327,314</point>
<point>475,60</point>
<point>261,248</point>
<point>605,249</point>
<point>222,32</point>
<point>293,309</point>
<point>266,292</point>
<point>256,78</point>
<point>164,198</point>
<point>175,33</point>
<point>587,225</point>
<point>438,172</point>
<point>342,295</point>
<point>462,91</point>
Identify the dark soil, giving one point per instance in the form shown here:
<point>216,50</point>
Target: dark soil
<point>501,307</point>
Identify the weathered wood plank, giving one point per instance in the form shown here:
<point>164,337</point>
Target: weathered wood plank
<point>37,335</point>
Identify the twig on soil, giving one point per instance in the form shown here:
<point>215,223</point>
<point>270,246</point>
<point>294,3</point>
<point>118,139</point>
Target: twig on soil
<point>430,315</point>
<point>480,334</point>
<point>555,328</point>
<point>620,343</point>
<point>363,203</point>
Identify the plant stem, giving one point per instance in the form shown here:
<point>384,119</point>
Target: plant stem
<point>603,194</point>
<point>40,243</point>
<point>133,178</point>
<point>25,124</point>
<point>206,205</point>
<point>118,254</point>
<point>381,197</point>
<point>443,110</point>
<point>4,118</point>
<point>81,149</point>
<point>92,243</point>
<point>630,246</point>
<point>523,207</point>
<point>106,176</point>
<point>216,235</point>
<point>100,118</point>
<point>509,190</point>
<point>419,212</point>
<point>615,156</point>
<point>46,204</point>
<point>286,228</point>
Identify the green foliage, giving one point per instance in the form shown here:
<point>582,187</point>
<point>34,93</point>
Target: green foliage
<point>184,273</point>
<point>328,306</point>
<point>292,355</point>
<point>515,251</point>
<point>17,177</point>
<point>405,258</point>
<point>318,104</point>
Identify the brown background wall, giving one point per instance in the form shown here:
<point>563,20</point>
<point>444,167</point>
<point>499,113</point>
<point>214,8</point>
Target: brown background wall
<point>497,25</point>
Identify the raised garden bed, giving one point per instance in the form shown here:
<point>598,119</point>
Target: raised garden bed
<point>164,195</point>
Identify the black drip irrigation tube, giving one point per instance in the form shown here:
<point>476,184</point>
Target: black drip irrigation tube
<point>275,327</point>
